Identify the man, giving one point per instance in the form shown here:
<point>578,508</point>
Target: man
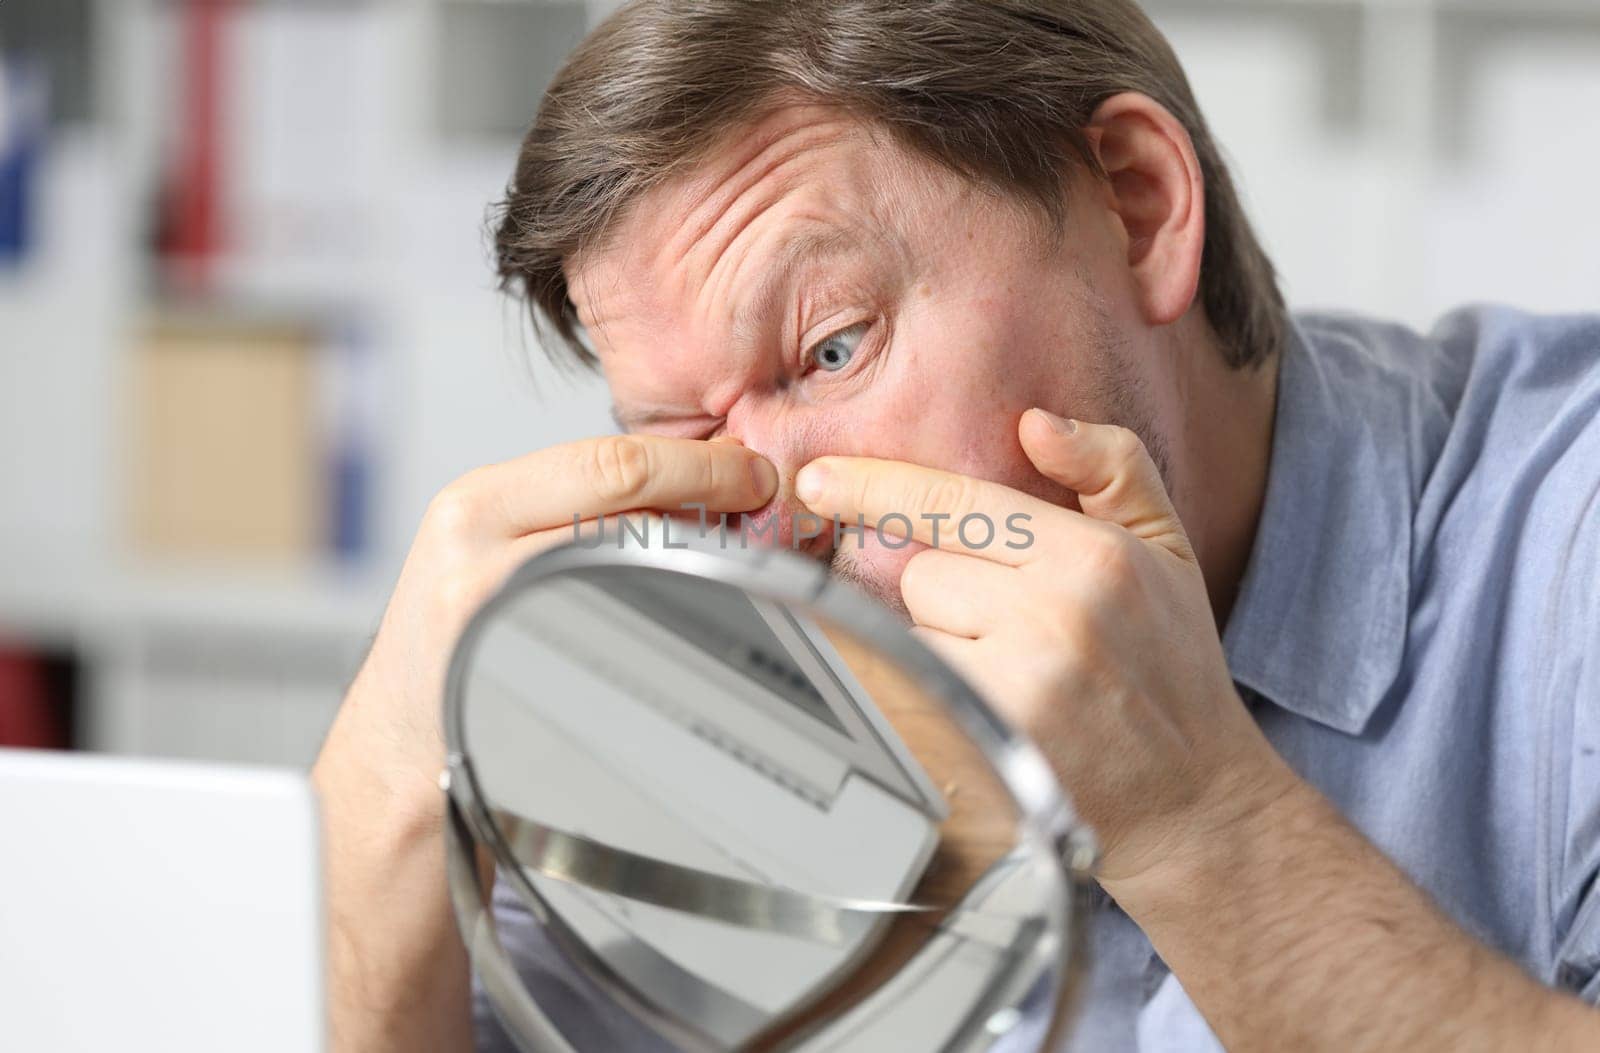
<point>1311,626</point>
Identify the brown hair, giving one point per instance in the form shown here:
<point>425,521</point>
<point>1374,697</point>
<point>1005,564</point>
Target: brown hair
<point>997,90</point>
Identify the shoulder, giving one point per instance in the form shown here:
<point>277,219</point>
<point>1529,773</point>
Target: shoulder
<point>1523,393</point>
<point>1476,358</point>
<point>1514,361</point>
<point>1491,400</point>
<point>1491,397</point>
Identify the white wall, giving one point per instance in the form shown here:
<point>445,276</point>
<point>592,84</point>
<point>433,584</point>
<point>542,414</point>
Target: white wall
<point>1402,160</point>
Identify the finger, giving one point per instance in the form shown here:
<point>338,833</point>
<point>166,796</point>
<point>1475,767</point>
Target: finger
<point>969,659</point>
<point>1111,472</point>
<point>519,550</point>
<point>618,473</point>
<point>524,548</point>
<point>593,533</point>
<point>958,652</point>
<point>957,594</point>
<point>940,509</point>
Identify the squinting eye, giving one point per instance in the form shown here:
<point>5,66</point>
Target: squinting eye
<point>834,353</point>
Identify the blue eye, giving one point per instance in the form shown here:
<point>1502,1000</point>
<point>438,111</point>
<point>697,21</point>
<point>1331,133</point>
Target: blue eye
<point>834,353</point>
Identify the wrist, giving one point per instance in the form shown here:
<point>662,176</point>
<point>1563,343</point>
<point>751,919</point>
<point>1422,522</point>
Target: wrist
<point>384,742</point>
<point>1244,818</point>
<point>376,797</point>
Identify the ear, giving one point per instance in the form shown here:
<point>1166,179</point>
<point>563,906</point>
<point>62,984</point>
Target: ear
<point>1157,191</point>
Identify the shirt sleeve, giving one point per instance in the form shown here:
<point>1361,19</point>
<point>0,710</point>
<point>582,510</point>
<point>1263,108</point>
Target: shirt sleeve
<point>580,1011</point>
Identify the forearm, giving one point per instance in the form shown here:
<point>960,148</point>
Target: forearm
<point>1289,930</point>
<point>398,978</point>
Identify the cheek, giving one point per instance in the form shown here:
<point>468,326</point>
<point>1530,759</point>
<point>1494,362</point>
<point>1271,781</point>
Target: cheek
<point>969,366</point>
<point>952,400</point>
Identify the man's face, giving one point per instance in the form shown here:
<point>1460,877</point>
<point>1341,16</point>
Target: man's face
<point>814,289</point>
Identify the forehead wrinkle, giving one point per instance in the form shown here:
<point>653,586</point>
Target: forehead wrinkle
<point>704,210</point>
<point>711,264</point>
<point>710,200</point>
<point>702,265</point>
<point>682,214</point>
<point>742,252</point>
<point>722,206</point>
<point>806,238</point>
<point>691,218</point>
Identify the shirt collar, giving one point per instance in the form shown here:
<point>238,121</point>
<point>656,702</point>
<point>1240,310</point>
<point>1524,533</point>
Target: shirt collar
<point>1318,626</point>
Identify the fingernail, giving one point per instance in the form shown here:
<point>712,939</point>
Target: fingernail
<point>810,483</point>
<point>764,475</point>
<point>1062,425</point>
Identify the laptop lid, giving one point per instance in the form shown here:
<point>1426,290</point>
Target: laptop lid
<point>158,907</point>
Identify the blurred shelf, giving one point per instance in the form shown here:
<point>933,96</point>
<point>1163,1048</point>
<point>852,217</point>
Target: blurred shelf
<point>222,662</point>
<point>316,601</point>
<point>66,601</point>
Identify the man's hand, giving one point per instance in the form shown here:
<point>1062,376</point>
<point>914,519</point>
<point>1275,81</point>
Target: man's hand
<point>490,521</point>
<point>1097,638</point>
<point>1287,928</point>
<point>397,972</point>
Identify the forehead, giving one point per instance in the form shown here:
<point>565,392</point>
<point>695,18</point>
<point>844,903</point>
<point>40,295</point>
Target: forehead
<point>682,256</point>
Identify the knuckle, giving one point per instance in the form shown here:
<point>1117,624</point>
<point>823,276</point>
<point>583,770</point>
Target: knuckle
<point>1111,560</point>
<point>715,474</point>
<point>862,491</point>
<point>725,471</point>
<point>619,467</point>
<point>457,508</point>
<point>951,494</point>
<point>1126,443</point>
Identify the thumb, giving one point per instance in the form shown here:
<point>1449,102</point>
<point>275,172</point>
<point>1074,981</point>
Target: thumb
<point>1111,472</point>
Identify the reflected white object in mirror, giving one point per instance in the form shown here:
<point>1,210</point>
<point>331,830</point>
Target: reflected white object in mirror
<point>751,810</point>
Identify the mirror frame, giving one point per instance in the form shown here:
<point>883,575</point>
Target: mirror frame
<point>1044,812</point>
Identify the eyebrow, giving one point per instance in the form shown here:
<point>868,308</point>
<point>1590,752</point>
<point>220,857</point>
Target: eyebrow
<point>804,249</point>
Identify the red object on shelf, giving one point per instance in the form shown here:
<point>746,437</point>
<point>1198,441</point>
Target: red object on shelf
<point>195,231</point>
<point>29,714</point>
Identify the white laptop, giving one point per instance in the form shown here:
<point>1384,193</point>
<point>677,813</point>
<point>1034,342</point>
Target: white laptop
<point>158,908</point>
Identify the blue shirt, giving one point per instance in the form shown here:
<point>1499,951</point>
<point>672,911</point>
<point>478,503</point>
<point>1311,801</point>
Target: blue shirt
<point>1418,634</point>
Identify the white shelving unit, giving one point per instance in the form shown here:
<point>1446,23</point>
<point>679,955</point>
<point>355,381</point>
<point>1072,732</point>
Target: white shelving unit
<point>344,142</point>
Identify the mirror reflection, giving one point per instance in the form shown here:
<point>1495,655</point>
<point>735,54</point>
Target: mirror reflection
<point>751,827</point>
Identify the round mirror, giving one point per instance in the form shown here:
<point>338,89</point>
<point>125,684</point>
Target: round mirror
<point>752,811</point>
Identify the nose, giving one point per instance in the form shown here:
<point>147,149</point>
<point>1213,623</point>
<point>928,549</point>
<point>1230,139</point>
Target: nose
<point>783,521</point>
